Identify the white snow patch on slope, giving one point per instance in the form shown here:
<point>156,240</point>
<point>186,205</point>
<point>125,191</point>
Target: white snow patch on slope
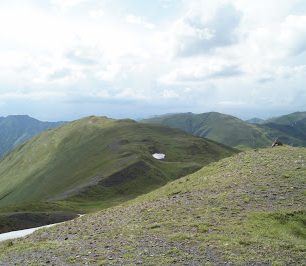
<point>159,156</point>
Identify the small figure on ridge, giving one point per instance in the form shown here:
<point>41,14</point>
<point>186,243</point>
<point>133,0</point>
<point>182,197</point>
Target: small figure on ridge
<point>276,142</point>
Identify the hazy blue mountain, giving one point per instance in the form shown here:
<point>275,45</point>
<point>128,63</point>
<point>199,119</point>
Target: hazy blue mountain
<point>16,129</point>
<point>255,120</point>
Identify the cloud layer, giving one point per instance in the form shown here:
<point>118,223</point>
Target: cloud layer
<point>133,59</point>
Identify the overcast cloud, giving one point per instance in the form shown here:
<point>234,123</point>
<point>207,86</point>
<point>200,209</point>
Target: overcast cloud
<point>64,59</point>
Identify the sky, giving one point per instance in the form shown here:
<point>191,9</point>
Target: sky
<point>66,59</point>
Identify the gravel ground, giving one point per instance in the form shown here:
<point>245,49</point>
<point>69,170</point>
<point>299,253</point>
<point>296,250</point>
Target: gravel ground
<point>197,220</point>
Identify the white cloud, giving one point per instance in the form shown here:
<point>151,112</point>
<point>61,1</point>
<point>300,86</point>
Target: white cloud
<point>136,20</point>
<point>60,74</point>
<point>131,94</point>
<point>67,3</point>
<point>201,72</point>
<point>197,33</point>
<point>170,94</point>
<point>83,56</point>
<point>217,52</point>
<point>293,34</point>
<point>33,96</point>
<point>109,73</point>
<point>96,14</point>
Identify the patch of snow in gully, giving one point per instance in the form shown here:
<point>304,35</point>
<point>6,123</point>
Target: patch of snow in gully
<point>159,156</point>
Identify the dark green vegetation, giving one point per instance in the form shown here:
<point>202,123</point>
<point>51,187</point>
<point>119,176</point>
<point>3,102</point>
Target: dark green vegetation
<point>18,221</point>
<point>248,209</point>
<point>16,129</point>
<point>229,130</point>
<point>97,162</point>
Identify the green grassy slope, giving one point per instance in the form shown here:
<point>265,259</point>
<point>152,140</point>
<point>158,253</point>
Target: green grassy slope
<point>95,162</point>
<point>222,128</point>
<point>229,130</point>
<point>248,209</point>
<point>288,119</point>
<point>290,129</point>
<point>16,129</point>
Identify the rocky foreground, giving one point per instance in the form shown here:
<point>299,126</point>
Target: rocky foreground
<point>248,209</point>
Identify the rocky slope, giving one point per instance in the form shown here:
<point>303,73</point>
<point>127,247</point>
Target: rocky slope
<point>248,209</point>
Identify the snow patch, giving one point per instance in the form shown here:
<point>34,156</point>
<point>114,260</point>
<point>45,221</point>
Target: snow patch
<point>22,233</point>
<point>159,156</point>
<point>26,232</point>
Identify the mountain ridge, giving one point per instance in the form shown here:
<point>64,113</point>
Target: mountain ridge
<point>96,162</point>
<point>235,132</point>
<point>219,127</point>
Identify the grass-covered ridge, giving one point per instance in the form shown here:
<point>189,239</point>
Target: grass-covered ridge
<point>237,133</point>
<point>96,162</point>
<point>246,209</point>
<point>223,128</point>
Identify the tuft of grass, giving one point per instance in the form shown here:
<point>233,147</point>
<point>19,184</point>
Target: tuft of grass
<point>154,226</point>
<point>71,260</point>
<point>246,198</point>
<point>8,244</point>
<point>202,228</point>
<point>180,237</point>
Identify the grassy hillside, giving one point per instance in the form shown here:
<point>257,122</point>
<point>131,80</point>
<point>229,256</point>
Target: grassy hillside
<point>229,130</point>
<point>248,209</point>
<point>291,129</point>
<point>222,128</point>
<point>96,162</point>
<point>16,129</point>
<point>289,119</point>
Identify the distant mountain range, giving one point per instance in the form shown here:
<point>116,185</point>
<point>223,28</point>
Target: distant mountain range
<point>232,131</point>
<point>16,129</point>
<point>226,129</point>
